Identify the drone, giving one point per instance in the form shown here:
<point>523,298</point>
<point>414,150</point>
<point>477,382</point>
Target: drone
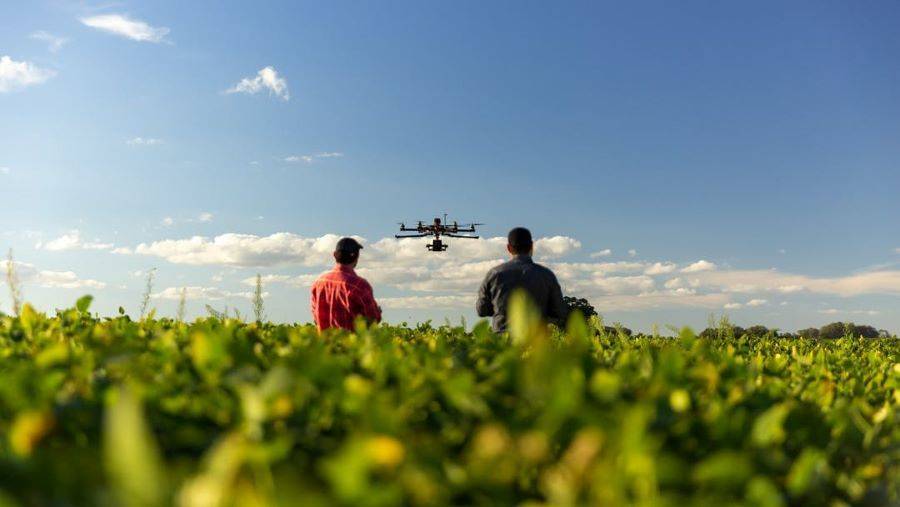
<point>437,229</point>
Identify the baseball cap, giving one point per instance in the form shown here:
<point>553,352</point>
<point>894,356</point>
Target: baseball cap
<point>348,245</point>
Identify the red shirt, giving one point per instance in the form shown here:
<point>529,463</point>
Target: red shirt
<point>339,296</point>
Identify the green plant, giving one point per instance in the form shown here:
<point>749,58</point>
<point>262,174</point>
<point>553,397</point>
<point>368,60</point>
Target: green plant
<point>12,281</point>
<point>182,302</point>
<point>217,412</point>
<point>148,292</point>
<point>259,311</point>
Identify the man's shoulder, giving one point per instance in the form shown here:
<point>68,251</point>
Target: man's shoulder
<point>544,270</point>
<point>499,268</point>
<point>358,280</point>
<point>327,277</point>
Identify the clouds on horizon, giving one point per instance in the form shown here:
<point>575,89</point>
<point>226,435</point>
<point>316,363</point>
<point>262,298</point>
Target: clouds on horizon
<point>72,241</point>
<point>193,293</point>
<point>29,273</point>
<point>449,280</point>
<point>403,264</point>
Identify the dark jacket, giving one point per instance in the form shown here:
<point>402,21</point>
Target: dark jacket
<point>520,272</point>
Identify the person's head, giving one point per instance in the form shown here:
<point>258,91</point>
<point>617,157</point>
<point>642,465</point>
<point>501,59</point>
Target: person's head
<point>519,242</point>
<point>346,252</point>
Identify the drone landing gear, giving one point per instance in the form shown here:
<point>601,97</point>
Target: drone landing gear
<point>436,246</point>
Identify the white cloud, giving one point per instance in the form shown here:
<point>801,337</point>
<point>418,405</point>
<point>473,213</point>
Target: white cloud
<point>244,250</point>
<point>203,217</point>
<point>660,268</point>
<point>17,75</point>
<point>72,241</point>
<point>623,285</point>
<point>405,265</point>
<point>699,266</point>
<point>555,246</point>
<point>632,253</point>
<point>835,311</point>
<point>129,28</point>
<point>308,159</point>
<point>681,283</point>
<point>606,252</point>
<point>65,280</point>
<point>194,292</point>
<point>54,43</point>
<point>144,141</point>
<point>294,281</point>
<point>28,273</point>
<point>266,79</point>
<point>428,302</point>
<point>4,170</point>
<point>758,281</point>
<point>657,299</point>
<point>122,250</point>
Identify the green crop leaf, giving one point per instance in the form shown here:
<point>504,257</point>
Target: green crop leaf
<point>768,428</point>
<point>84,303</point>
<point>130,453</point>
<point>808,472</point>
<point>524,318</point>
<point>724,470</point>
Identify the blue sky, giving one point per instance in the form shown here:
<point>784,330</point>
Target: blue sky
<point>758,138</point>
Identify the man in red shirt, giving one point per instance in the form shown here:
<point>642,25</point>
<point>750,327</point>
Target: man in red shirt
<point>340,295</point>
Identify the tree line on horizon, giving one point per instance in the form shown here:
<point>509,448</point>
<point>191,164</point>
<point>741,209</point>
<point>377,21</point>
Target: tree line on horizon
<point>723,328</point>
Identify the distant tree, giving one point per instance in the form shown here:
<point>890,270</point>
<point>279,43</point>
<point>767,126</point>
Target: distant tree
<point>809,332</point>
<point>864,331</point>
<point>580,304</point>
<point>757,331</point>
<point>884,333</point>
<point>616,328</point>
<point>834,330</point>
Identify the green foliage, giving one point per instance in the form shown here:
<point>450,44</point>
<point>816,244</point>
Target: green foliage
<point>218,412</point>
<point>12,282</point>
<point>148,292</point>
<point>580,304</point>
<point>259,308</point>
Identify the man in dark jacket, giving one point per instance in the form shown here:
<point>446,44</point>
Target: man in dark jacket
<point>520,272</point>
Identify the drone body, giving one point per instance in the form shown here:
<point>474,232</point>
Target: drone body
<point>437,229</point>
